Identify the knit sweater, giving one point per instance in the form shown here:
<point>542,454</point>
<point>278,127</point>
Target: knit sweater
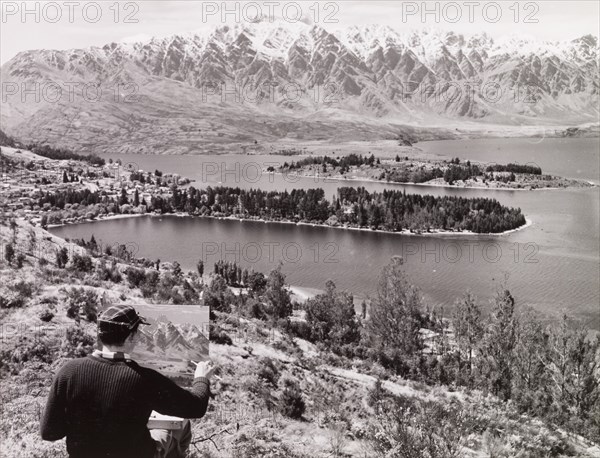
<point>102,407</point>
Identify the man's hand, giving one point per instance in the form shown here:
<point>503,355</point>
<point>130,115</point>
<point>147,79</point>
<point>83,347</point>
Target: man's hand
<point>204,369</point>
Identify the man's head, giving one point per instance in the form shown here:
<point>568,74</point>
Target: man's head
<point>118,325</point>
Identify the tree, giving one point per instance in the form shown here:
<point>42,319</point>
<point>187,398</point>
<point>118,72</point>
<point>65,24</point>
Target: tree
<point>9,253</point>
<point>395,313</point>
<point>218,297</point>
<point>62,257</point>
<point>136,198</point>
<point>468,328</point>
<point>177,269</point>
<point>257,282</point>
<point>531,377</point>
<point>200,267</point>
<point>499,345</point>
<point>123,200</point>
<point>332,318</point>
<point>277,295</point>
<point>292,402</point>
<point>573,365</point>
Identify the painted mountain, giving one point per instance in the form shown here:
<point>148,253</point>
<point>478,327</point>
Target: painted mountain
<point>255,83</point>
<point>170,347</point>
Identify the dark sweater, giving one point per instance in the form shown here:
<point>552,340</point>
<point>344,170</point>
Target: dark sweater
<point>102,407</point>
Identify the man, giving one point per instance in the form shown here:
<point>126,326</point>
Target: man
<point>102,402</point>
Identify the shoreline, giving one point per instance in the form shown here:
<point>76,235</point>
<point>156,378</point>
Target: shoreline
<point>433,232</point>
<point>334,179</point>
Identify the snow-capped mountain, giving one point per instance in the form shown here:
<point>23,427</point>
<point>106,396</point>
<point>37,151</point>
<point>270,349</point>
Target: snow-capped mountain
<point>237,83</point>
<point>175,341</point>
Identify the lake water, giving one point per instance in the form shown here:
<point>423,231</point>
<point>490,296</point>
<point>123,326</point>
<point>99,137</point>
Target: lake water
<point>567,157</point>
<point>552,266</point>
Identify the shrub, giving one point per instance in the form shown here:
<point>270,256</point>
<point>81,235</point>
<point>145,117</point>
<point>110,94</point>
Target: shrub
<point>418,428</point>
<point>26,350</point>
<point>82,301</point>
<point>24,289</point>
<point>62,257</point>
<point>376,394</point>
<point>135,277</point>
<point>217,335</point>
<point>77,343</point>
<point>50,300</point>
<point>9,253</point>
<point>82,263</point>
<point>300,329</point>
<point>20,260</point>
<point>268,372</point>
<point>46,315</point>
<point>105,273</point>
<point>292,403</point>
<point>9,302</point>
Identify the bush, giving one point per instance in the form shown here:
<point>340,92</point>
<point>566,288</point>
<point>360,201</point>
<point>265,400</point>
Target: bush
<point>419,428</point>
<point>292,403</point>
<point>268,372</point>
<point>218,336</point>
<point>46,316</point>
<point>82,263</point>
<point>10,302</point>
<point>77,343</point>
<point>82,301</point>
<point>26,350</point>
<point>62,257</point>
<point>20,260</point>
<point>105,273</point>
<point>300,329</point>
<point>9,253</point>
<point>24,289</point>
<point>135,277</point>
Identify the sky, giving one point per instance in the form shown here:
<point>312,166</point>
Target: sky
<point>78,24</point>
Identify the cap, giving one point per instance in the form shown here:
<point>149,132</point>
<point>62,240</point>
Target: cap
<point>120,315</point>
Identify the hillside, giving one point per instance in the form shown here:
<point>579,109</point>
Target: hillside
<point>277,395</point>
<point>235,86</point>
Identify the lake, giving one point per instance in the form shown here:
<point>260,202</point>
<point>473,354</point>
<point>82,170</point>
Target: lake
<point>552,266</point>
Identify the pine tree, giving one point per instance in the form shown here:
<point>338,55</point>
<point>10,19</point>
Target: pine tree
<point>499,345</point>
<point>395,313</point>
<point>572,365</point>
<point>468,327</point>
<point>123,200</point>
<point>277,296</point>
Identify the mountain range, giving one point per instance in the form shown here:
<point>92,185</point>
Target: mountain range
<point>164,340</point>
<point>246,84</point>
